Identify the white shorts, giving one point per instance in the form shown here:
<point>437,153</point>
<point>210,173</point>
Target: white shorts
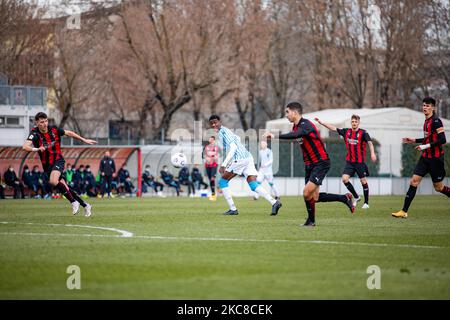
<point>265,174</point>
<point>245,167</point>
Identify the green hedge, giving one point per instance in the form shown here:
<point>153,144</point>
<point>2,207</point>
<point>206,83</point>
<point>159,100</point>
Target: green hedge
<point>411,156</point>
<point>336,150</point>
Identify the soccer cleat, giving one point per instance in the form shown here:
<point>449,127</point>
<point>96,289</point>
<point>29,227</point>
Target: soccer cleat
<point>212,197</point>
<point>355,201</point>
<point>400,214</point>
<point>231,213</point>
<point>309,223</point>
<point>365,206</point>
<point>349,202</point>
<point>276,206</point>
<point>75,207</point>
<point>87,210</point>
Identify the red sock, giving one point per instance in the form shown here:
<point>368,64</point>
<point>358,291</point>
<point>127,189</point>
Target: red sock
<point>446,191</point>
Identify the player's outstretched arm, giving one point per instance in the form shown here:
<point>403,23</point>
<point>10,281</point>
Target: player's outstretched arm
<point>28,146</point>
<point>78,137</point>
<point>373,156</point>
<point>326,125</point>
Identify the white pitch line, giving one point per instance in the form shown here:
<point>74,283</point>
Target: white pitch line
<point>367,244</point>
<point>123,233</point>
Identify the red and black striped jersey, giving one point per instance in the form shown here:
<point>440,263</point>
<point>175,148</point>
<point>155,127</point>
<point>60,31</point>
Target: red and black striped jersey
<point>51,141</point>
<point>432,127</point>
<point>211,154</point>
<point>356,143</point>
<point>310,142</point>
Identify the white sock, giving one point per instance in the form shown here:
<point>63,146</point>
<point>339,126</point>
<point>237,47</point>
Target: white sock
<point>227,194</point>
<point>255,195</point>
<point>275,191</point>
<point>262,192</point>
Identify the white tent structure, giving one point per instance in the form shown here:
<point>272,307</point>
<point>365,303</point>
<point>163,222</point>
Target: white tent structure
<point>387,125</point>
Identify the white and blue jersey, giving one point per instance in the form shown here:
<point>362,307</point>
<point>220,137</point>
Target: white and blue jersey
<point>226,138</point>
<point>265,160</point>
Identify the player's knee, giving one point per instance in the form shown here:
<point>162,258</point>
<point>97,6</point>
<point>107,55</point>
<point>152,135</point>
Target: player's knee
<point>345,179</point>
<point>363,181</point>
<point>53,181</point>
<point>223,183</point>
<point>414,182</point>
<point>438,187</point>
<point>253,185</point>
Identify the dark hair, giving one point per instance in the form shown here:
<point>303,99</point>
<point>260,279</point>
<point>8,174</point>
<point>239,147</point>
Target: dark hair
<point>40,115</point>
<point>212,136</point>
<point>429,100</point>
<point>81,166</point>
<point>88,166</point>
<point>355,116</point>
<point>294,105</point>
<point>214,117</point>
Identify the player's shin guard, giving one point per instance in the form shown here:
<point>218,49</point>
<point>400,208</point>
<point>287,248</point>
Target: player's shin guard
<point>77,197</point>
<point>331,197</point>
<point>256,187</point>
<point>227,193</point>
<point>446,191</point>
<point>65,191</point>
<point>351,189</point>
<point>409,197</point>
<point>311,208</point>
<point>366,193</point>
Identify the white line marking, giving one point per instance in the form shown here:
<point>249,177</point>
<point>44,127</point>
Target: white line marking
<point>127,234</point>
<point>123,233</point>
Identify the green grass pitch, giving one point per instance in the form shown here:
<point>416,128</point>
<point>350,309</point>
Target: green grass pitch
<point>184,248</point>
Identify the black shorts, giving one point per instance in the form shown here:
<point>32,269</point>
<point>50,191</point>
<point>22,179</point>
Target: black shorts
<point>211,172</point>
<point>433,166</point>
<point>361,169</point>
<point>317,172</point>
<point>58,165</point>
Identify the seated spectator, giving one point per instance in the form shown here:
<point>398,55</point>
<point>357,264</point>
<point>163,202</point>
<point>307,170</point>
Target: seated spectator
<point>90,185</point>
<point>78,180</point>
<point>12,181</point>
<point>168,179</point>
<point>197,178</point>
<point>185,179</point>
<point>149,180</point>
<point>68,176</point>
<point>125,180</point>
<point>31,180</point>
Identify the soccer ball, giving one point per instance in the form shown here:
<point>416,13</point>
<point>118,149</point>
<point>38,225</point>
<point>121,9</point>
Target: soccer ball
<point>178,160</point>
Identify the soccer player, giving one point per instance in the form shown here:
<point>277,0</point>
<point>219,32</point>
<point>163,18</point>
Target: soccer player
<point>238,162</point>
<point>265,169</point>
<point>356,141</point>
<point>46,140</point>
<point>432,159</point>
<point>211,154</point>
<point>317,162</point>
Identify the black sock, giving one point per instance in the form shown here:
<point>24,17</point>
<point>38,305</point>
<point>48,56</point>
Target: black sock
<point>332,197</point>
<point>213,186</point>
<point>65,191</point>
<point>366,193</point>
<point>409,197</point>
<point>77,198</point>
<point>311,208</point>
<point>351,189</point>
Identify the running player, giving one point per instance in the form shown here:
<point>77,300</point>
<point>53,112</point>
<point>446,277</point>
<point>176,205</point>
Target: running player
<point>432,159</point>
<point>238,162</point>
<point>317,162</point>
<point>46,140</point>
